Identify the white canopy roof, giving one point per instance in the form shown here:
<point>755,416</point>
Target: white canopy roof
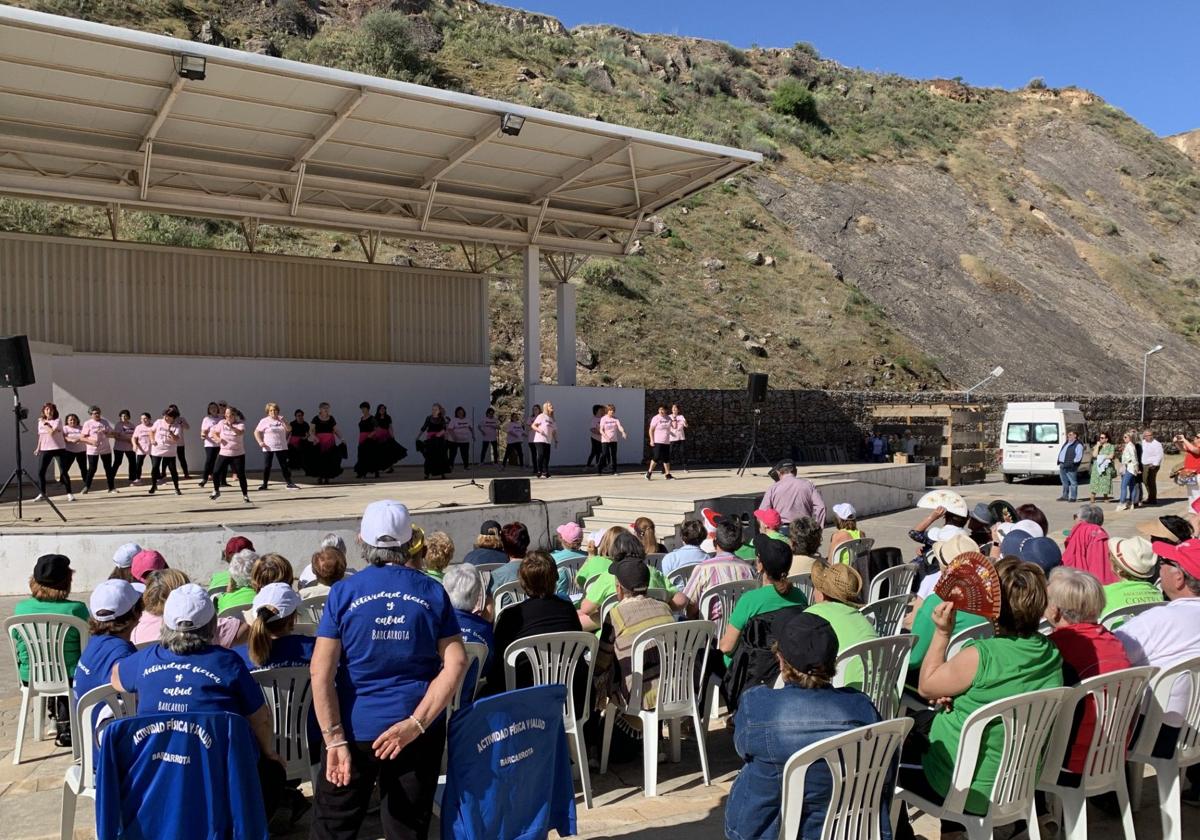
<point>98,114</point>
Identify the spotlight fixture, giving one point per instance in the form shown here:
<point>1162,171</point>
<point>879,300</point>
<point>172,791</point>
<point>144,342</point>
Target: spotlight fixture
<point>511,124</point>
<point>193,67</point>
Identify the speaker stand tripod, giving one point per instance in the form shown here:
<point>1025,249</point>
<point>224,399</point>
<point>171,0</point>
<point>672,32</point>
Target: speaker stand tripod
<point>469,483</point>
<point>753,455</point>
<point>19,475</point>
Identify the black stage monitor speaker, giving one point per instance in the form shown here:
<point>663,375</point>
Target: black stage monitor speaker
<point>756,386</point>
<point>508,491</point>
<point>16,365</point>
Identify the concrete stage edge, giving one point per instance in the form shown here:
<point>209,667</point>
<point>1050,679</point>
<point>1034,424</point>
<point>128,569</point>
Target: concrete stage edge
<point>190,530</point>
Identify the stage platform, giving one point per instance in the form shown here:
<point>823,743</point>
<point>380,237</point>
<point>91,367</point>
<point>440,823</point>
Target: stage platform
<point>190,529</point>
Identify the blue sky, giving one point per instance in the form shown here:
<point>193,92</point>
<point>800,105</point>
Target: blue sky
<point>1141,57</point>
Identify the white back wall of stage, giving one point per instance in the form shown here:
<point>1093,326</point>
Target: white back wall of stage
<point>573,414</point>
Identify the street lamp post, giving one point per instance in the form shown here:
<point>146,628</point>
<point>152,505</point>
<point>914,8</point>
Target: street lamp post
<point>996,372</point>
<point>1145,363</point>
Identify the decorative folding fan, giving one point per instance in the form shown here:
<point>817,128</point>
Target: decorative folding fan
<point>946,499</point>
<point>972,585</point>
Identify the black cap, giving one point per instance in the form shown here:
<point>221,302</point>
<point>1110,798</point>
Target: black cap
<point>808,643</point>
<point>633,574</point>
<point>1178,526</point>
<point>51,569</point>
<point>491,526</point>
<point>775,555</point>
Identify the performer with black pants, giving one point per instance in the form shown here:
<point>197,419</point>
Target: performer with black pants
<point>142,440</point>
<point>530,437</point>
<point>76,448</point>
<point>180,452</point>
<point>215,412</point>
<point>545,434</point>
<point>51,446</point>
<point>98,435</point>
<point>595,440</point>
<point>610,427</point>
<point>514,441</point>
<point>231,434</point>
<point>165,435</point>
<point>123,444</point>
<point>272,436</point>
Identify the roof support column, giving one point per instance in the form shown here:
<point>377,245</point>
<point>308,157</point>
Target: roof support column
<point>566,334</point>
<point>530,296</point>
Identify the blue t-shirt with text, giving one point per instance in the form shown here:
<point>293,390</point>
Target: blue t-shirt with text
<point>214,679</point>
<point>96,664</point>
<point>294,651</point>
<point>389,620</point>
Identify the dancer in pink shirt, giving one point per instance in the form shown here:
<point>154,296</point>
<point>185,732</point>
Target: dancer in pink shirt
<point>98,437</point>
<point>165,435</point>
<point>460,434</point>
<point>123,444</point>
<point>489,426</point>
<point>51,447</point>
<point>609,428</point>
<point>533,455</point>
<point>142,440</point>
<point>679,425</point>
<point>180,453</point>
<point>230,433</point>
<point>514,441</point>
<point>215,412</point>
<point>545,434</point>
<point>76,448</point>
<point>660,442</point>
<point>594,437</point>
<point>271,433</point>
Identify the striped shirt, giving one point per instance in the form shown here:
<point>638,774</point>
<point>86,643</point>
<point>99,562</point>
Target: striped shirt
<point>723,568</point>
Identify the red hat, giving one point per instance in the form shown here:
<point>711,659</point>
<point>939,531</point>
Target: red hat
<point>145,562</point>
<point>1196,505</point>
<point>769,518</point>
<point>237,544</point>
<point>1186,555</point>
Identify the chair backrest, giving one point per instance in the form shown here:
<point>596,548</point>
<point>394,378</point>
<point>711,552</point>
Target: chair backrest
<point>1162,686</point>
<point>891,582</point>
<point>725,594</point>
<point>847,551</point>
<point>312,607</point>
<point>658,595</point>
<point>679,576</point>
<point>465,691</point>
<point>654,561</point>
<point>884,666</point>
<point>554,659</point>
<point>1114,619</point>
<point>859,762</point>
<point>1027,720</point>
<point>571,566</point>
<point>44,636</point>
<point>1115,698</point>
<point>219,589</point>
<point>606,606</point>
<point>305,628</point>
<point>508,594</point>
<point>1045,627</point>
<point>887,614</point>
<point>986,630</point>
<point>85,730</point>
<point>489,567</point>
<point>804,584</point>
<point>679,646</point>
<point>237,611</point>
<point>289,698</point>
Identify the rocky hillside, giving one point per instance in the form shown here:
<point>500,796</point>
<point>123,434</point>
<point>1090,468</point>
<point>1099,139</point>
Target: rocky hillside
<point>1187,142</point>
<point>902,234</point>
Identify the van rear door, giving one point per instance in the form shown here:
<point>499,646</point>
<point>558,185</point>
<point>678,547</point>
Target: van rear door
<point>1017,443</point>
<point>1047,435</point>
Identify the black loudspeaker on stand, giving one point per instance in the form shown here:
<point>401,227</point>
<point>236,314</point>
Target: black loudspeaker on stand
<point>16,371</point>
<point>756,390</point>
<point>756,387</point>
<point>509,491</point>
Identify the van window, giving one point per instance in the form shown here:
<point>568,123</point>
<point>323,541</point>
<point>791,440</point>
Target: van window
<point>1031,433</point>
<point>1045,432</point>
<point>1018,433</point>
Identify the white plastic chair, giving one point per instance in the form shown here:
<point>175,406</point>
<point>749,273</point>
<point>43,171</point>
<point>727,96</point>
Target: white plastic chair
<point>554,658</point>
<point>897,579</point>
<point>606,606</point>
<point>654,561</point>
<point>727,595</point>
<point>887,614</point>
<point>219,589</point>
<point>859,762</point>
<point>1187,748</point>
<point>885,665</point>
<point>850,550</point>
<point>44,636</point>
<point>1115,618</point>
<point>678,578</point>
<point>1027,720</point>
<point>680,646</point>
<point>571,566</point>
<point>975,632</point>
<point>304,628</point>
<point>1115,697</point>
<point>489,567</point>
<point>237,611</point>
<point>289,698</point>
<point>476,656</point>
<point>80,779</point>
<point>312,607</point>
<point>804,584</point>
<point>508,594</point>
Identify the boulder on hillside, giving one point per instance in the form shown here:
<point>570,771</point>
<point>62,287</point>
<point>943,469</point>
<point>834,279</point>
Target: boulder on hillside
<point>769,261</point>
<point>637,249</point>
<point>423,34</point>
<point>743,335</point>
<point>262,45</point>
<point>714,287</point>
<point>755,349</point>
<point>755,257</point>
<point>585,356</point>
<point>598,77</point>
<point>712,264</point>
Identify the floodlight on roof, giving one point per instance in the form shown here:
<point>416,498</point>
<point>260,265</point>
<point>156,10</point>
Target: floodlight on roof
<point>511,124</point>
<point>193,67</point>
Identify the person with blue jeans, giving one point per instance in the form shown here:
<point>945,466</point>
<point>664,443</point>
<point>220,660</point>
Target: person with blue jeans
<point>1070,456</point>
<point>1131,473</point>
<point>772,724</point>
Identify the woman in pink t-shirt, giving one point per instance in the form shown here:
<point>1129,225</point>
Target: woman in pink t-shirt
<point>98,437</point>
<point>489,428</point>
<point>534,413</point>
<point>595,454</point>
<point>660,442</point>
<point>271,433</point>
<point>460,434</point>
<point>608,428</point>
<point>679,425</point>
<point>514,441</point>
<point>545,434</point>
<point>215,412</point>
<point>76,448</point>
<point>165,435</point>
<point>51,447</point>
<point>180,451</point>
<point>123,444</point>
<point>230,433</point>
<point>142,440</point>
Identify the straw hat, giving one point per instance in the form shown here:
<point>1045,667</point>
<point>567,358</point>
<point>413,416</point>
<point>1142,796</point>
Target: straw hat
<point>837,581</point>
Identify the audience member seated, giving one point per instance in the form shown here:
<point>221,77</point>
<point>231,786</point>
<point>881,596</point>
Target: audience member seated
<point>570,540</point>
<point>604,584</point>
<point>146,562</point>
<point>272,644</point>
<point>1135,566</point>
<point>115,608</point>
<point>239,591</point>
<point>327,567</point>
<point>1042,552</point>
<point>1074,601</point>
<point>770,523</point>
<point>805,535</point>
<point>692,533</point>
<point>922,625</point>
<point>1032,513</point>
<point>308,577</point>
<point>643,529</point>
<point>464,584</point>
<point>771,725</point>
<point>600,555</point>
<point>613,674</point>
<point>835,590</point>
<point>722,567</point>
<point>439,552</point>
<point>846,528</point>
<point>927,532</point>
<point>979,524</point>
<point>1017,660</point>
<point>186,672</point>
<point>232,547</point>
<point>1086,547</point>
<point>50,591</point>
<point>776,592</point>
<point>940,555</point>
<point>515,538</point>
<point>158,586</point>
<point>488,546</point>
<point>123,562</point>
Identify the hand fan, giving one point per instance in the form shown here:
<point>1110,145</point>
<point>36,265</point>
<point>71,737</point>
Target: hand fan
<point>972,585</point>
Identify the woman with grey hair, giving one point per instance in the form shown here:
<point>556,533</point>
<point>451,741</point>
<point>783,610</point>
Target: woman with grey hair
<point>1091,513</point>
<point>388,657</point>
<point>805,536</point>
<point>240,592</point>
<point>468,595</point>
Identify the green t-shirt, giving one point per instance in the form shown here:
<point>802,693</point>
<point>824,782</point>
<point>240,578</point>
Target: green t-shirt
<point>746,552</point>
<point>436,575</point>
<point>1124,593</point>
<point>763,600</point>
<point>851,627</point>
<point>923,628</point>
<point>219,579</point>
<point>592,567</point>
<point>243,597</point>
<point>71,646</point>
<point>606,584</point>
<point>1008,666</point>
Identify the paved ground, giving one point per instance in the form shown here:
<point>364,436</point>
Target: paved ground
<point>684,810</point>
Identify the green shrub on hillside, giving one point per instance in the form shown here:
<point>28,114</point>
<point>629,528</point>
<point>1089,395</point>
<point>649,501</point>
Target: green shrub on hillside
<point>381,45</point>
<point>795,100</point>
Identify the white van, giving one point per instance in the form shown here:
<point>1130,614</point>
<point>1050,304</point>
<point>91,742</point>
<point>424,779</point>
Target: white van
<point>1033,433</point>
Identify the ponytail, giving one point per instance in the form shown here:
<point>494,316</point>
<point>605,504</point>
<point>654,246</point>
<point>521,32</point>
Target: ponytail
<point>265,629</point>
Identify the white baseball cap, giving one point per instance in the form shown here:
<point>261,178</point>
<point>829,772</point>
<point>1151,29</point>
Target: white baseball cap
<point>123,557</point>
<point>845,511</point>
<point>385,524</point>
<point>112,599</point>
<point>188,608</point>
<point>280,595</point>
<point>1026,525</point>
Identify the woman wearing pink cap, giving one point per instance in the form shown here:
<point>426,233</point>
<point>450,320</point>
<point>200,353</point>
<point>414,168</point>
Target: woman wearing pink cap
<point>230,433</point>
<point>165,435</point>
<point>660,442</point>
<point>123,444</point>
<point>76,448</point>
<point>271,433</point>
<point>545,434</point>
<point>51,447</point>
<point>142,439</point>
<point>98,437</point>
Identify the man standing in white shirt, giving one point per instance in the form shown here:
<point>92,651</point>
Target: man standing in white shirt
<point>1152,458</point>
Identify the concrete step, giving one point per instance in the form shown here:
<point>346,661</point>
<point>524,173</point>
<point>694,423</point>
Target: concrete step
<point>639,506</point>
<point>664,527</point>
